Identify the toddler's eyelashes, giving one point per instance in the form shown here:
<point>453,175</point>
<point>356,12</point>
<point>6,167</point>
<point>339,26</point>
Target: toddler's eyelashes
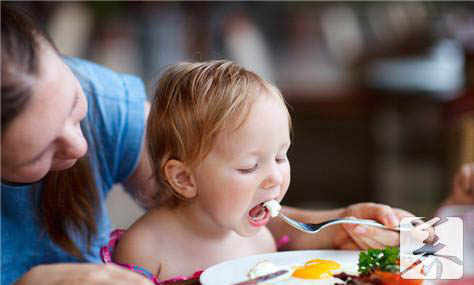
<point>248,170</point>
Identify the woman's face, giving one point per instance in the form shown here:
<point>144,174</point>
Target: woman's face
<point>46,135</point>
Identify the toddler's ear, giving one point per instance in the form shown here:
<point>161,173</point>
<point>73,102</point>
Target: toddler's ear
<point>180,178</point>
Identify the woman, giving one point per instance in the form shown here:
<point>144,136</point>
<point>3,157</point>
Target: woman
<point>43,107</point>
<point>71,129</point>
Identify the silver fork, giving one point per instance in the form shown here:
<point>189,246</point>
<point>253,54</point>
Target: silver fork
<point>314,228</point>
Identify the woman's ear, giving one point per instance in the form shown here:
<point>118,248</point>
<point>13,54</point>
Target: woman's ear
<point>180,178</point>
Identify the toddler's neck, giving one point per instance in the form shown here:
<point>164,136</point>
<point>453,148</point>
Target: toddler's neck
<point>196,222</point>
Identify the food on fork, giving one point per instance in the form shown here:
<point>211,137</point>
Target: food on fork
<point>273,207</point>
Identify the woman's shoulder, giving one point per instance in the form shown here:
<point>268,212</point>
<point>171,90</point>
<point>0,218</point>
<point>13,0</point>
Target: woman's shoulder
<point>102,81</point>
<point>115,122</point>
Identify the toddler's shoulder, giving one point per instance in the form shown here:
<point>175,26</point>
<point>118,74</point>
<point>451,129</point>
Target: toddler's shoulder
<point>139,246</point>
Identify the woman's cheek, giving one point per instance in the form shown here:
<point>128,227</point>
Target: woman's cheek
<point>37,171</point>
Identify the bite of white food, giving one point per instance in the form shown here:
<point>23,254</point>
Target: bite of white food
<point>273,207</point>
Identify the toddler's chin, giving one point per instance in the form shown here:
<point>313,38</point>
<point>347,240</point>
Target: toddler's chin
<point>249,232</point>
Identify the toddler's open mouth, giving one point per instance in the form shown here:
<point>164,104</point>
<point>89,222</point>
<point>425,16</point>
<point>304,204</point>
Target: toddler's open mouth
<point>258,212</point>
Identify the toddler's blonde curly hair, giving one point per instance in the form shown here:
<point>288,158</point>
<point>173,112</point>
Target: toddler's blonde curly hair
<point>193,103</point>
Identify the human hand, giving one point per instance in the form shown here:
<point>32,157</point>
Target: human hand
<point>351,236</point>
<point>79,274</point>
<point>462,192</point>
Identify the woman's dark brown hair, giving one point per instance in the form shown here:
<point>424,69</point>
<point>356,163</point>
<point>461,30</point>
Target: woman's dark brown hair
<point>68,200</point>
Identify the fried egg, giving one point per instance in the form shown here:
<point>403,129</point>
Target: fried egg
<point>315,271</point>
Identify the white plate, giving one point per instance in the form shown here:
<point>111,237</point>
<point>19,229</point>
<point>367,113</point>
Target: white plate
<point>236,270</point>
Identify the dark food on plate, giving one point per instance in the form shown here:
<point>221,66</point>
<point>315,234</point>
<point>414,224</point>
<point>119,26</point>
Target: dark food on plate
<point>378,267</point>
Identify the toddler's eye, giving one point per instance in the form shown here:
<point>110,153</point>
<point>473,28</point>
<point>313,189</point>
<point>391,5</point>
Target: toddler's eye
<point>248,170</point>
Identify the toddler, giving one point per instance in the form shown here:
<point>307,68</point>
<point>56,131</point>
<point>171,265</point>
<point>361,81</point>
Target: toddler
<point>217,136</point>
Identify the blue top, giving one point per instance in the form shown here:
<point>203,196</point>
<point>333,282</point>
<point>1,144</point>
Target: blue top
<point>116,114</point>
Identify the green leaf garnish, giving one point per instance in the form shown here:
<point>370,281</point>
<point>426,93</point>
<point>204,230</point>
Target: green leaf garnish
<point>381,259</point>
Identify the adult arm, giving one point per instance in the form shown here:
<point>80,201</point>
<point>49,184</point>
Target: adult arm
<point>78,274</point>
<point>140,183</point>
<point>344,236</point>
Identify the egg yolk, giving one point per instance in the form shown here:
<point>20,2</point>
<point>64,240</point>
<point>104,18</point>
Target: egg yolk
<point>316,269</point>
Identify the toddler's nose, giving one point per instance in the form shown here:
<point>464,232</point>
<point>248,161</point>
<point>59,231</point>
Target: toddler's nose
<point>274,177</point>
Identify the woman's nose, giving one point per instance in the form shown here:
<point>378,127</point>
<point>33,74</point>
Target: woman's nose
<point>274,177</point>
<point>73,143</point>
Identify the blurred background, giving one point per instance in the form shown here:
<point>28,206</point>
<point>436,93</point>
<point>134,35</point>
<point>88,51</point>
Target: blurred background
<point>382,93</point>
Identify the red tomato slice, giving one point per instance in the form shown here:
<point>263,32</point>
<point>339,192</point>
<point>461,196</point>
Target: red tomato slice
<point>389,278</point>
